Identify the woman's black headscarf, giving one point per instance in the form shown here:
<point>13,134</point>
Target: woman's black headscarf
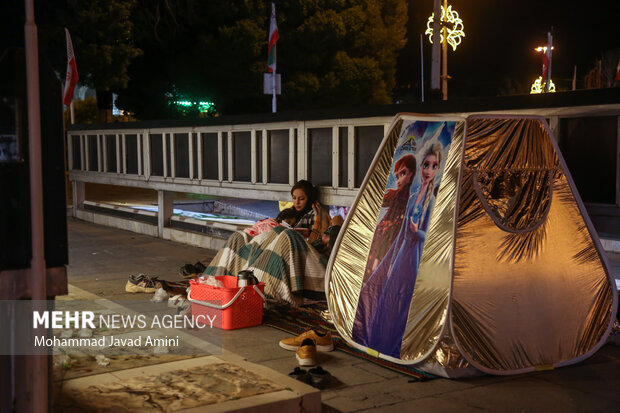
<point>311,192</point>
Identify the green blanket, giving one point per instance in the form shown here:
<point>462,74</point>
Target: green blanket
<point>281,258</point>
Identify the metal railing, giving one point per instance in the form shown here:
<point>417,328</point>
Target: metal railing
<point>253,161</point>
<point>261,157</point>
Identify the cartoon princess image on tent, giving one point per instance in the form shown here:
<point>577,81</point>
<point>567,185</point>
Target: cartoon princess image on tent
<point>385,297</point>
<point>394,206</point>
<point>390,220</point>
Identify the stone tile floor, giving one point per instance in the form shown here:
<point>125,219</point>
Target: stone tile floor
<point>101,259</point>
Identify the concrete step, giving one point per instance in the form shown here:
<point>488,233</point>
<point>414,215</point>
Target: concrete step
<point>610,244</point>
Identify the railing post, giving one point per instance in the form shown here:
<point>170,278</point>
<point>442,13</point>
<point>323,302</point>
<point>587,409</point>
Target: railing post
<point>139,149</point>
<point>190,150</point>
<point>99,160</point>
<point>78,196</point>
<point>335,157</point>
<point>124,152</point>
<point>291,156</point>
<point>199,158</point>
<point>173,158</point>
<point>302,151</point>
<point>165,209</point>
<point>266,156</point>
<point>220,156</point>
<point>69,152</point>
<point>147,154</point>
<point>83,152</point>
<point>86,153</point>
<point>119,170</point>
<point>231,169</point>
<point>351,156</point>
<point>164,150</point>
<point>254,172</point>
<point>104,144</point>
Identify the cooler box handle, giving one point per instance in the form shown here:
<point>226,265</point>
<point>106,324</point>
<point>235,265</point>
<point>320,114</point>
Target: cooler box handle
<point>228,304</point>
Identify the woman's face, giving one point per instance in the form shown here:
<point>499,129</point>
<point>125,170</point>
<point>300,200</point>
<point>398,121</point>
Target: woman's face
<point>429,168</point>
<point>403,178</point>
<point>300,199</point>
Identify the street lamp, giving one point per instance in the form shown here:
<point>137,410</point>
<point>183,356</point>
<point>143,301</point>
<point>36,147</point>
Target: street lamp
<point>543,49</point>
<point>451,34</point>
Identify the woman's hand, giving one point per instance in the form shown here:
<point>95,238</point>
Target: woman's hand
<point>316,207</point>
<point>413,225</point>
<point>336,221</point>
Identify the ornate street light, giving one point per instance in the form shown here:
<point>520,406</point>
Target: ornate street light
<point>454,27</point>
<point>451,33</point>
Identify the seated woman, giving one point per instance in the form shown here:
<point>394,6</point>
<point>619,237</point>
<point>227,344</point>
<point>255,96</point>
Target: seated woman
<point>291,262</point>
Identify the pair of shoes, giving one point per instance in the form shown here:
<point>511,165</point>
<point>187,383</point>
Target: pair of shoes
<point>306,353</point>
<point>316,377</point>
<point>142,284</point>
<point>322,341</point>
<point>179,302</point>
<point>191,271</point>
<point>306,345</point>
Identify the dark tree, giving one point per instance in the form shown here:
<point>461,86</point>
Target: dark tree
<point>102,37</point>
<point>330,53</point>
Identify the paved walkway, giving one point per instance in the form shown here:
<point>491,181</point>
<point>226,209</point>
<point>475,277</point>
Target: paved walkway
<point>101,259</point>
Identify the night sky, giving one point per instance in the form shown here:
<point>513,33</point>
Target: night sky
<point>498,54</point>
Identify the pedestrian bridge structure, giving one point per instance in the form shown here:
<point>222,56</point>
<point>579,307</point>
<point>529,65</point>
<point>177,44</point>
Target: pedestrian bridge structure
<point>261,156</point>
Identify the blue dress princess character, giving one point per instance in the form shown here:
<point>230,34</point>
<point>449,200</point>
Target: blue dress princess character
<point>399,267</point>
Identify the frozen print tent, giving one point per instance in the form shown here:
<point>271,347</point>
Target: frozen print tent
<point>468,249</point>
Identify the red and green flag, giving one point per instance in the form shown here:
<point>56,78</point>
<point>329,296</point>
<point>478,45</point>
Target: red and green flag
<point>273,38</point>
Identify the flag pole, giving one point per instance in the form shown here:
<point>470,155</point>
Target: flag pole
<point>435,56</point>
<point>273,85</point>
<point>71,78</point>
<point>272,59</point>
<point>70,107</point>
<point>549,52</point>
<point>72,112</point>
<point>422,67</point>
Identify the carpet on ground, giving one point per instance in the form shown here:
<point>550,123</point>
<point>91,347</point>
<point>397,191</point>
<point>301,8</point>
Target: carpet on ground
<point>299,319</point>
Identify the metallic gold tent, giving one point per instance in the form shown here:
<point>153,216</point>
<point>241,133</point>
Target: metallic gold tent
<point>468,249</point>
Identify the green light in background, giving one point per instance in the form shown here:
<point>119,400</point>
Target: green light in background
<point>202,106</point>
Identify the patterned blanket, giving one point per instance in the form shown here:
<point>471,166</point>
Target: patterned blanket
<point>281,258</point>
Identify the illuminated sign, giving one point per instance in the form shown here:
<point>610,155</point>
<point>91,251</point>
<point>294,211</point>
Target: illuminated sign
<point>539,87</point>
<point>454,27</point>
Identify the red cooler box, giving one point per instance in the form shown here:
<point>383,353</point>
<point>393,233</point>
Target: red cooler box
<point>233,307</point>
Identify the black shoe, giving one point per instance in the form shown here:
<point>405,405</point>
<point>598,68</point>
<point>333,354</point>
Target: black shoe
<point>192,271</point>
<point>200,267</point>
<point>319,378</point>
<point>300,374</point>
